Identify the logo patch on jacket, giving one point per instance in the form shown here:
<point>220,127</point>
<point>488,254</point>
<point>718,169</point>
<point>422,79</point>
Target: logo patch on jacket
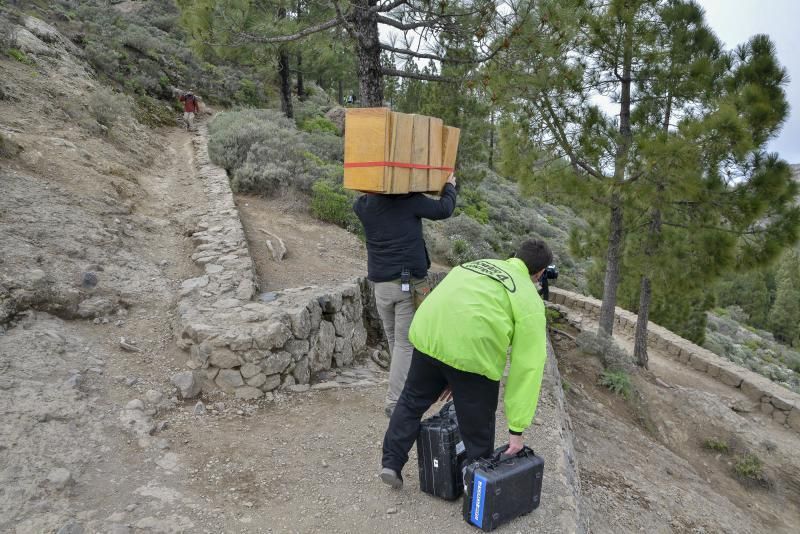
<point>492,271</point>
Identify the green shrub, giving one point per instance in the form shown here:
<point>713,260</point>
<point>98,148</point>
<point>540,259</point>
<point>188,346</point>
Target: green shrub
<point>606,349</point>
<point>319,125</point>
<point>330,202</point>
<point>19,55</point>
<point>714,444</point>
<point>552,316</point>
<point>248,94</point>
<point>106,106</point>
<point>618,382</point>
<point>264,152</point>
<point>749,468</point>
<point>471,203</point>
<point>153,113</point>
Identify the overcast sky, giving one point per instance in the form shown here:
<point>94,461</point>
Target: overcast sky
<point>735,21</point>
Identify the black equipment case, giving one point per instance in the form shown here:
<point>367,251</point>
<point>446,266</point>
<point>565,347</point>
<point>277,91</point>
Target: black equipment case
<point>440,453</point>
<point>500,488</point>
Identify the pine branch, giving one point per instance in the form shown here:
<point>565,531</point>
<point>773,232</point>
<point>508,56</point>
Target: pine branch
<point>406,27</point>
<point>345,22</point>
<point>245,37</point>
<point>386,71</point>
<point>443,59</point>
<point>561,137</point>
<point>385,8</point>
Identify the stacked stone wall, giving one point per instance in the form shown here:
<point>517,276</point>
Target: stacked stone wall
<point>773,400</point>
<point>244,347</point>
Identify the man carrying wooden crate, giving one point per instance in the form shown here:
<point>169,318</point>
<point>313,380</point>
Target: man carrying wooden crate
<point>397,264</point>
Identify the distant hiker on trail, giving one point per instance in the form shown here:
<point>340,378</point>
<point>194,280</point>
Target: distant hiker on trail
<point>397,263</point>
<point>461,335</point>
<point>190,107</point>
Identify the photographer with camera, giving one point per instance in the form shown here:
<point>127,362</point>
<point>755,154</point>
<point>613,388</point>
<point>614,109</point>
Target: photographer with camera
<point>461,334</point>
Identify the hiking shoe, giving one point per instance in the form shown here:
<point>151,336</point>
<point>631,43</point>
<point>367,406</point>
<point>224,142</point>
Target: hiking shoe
<point>391,478</point>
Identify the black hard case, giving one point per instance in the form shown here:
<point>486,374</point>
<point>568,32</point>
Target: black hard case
<point>498,489</point>
<point>440,453</point>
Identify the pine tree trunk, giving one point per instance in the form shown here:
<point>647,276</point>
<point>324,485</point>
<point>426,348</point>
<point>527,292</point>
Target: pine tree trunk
<point>640,337</point>
<point>615,230</point>
<point>286,84</point>
<point>653,240</point>
<point>613,258</point>
<point>285,76</point>
<point>340,93</point>
<point>301,90</point>
<point>491,141</point>
<point>370,76</point>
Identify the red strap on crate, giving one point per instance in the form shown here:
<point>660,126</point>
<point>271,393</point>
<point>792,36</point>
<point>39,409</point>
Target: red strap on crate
<point>352,165</point>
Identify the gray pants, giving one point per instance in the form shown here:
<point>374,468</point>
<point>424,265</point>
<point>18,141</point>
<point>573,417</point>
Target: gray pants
<point>396,309</point>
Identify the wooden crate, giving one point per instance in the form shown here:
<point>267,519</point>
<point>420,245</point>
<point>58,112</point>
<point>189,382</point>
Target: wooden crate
<point>392,153</point>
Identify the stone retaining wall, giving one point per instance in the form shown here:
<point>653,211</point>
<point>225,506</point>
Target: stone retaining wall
<point>778,402</point>
<point>245,347</point>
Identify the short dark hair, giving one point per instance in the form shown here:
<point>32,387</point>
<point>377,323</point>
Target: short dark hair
<point>536,255</point>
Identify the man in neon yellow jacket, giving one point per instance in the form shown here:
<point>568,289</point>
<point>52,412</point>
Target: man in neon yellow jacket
<point>461,334</point>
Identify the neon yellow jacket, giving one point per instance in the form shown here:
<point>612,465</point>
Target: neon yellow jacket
<point>473,315</point>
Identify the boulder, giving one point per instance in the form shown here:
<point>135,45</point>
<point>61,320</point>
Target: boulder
<point>359,337</point>
<point>187,384</point>
<point>249,370</point>
<point>95,307</point>
<point>224,358</point>
<point>228,380</point>
<point>344,352</point>
<point>257,381</point>
<point>276,363</point>
<point>272,382</point>
<point>248,393</point>
<point>322,347</point>
<point>297,348</point>
<point>201,353</point>
<point>301,371</point>
<point>315,313</point>
<point>301,322</point>
<point>274,335</point>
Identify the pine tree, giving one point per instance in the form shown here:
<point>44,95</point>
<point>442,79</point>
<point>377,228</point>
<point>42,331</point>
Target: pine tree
<point>578,52</point>
<point>784,317</point>
<point>259,22</point>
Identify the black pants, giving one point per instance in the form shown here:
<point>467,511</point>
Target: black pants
<point>475,399</point>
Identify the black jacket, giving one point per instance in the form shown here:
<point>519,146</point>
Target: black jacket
<point>393,227</point>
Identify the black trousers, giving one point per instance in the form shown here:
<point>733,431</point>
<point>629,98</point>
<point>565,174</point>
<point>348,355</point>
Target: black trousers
<point>475,399</point>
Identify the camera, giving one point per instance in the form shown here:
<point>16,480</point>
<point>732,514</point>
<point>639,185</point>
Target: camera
<point>550,273</point>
